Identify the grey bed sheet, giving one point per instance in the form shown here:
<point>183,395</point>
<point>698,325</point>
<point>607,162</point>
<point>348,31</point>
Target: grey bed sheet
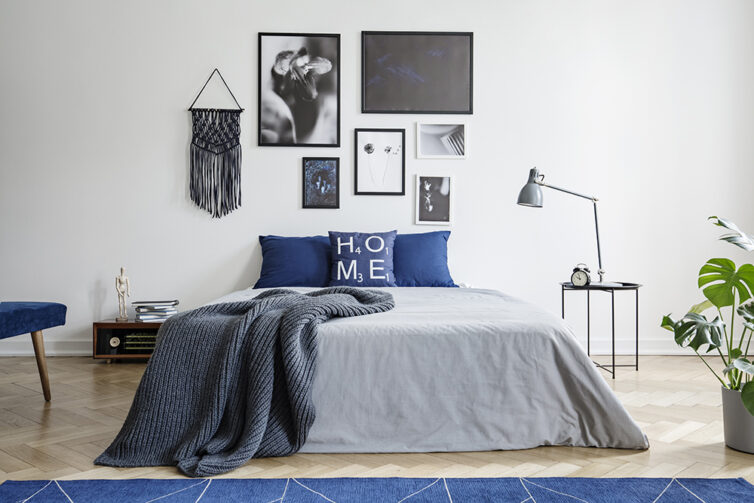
<point>458,369</point>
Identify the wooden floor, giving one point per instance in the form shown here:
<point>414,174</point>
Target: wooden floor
<point>674,399</point>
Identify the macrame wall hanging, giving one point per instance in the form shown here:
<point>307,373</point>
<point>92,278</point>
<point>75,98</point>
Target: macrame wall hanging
<point>216,156</point>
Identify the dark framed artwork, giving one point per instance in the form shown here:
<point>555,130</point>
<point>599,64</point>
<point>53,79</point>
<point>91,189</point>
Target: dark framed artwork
<point>380,162</point>
<point>299,90</point>
<point>434,200</point>
<point>405,72</point>
<point>321,182</point>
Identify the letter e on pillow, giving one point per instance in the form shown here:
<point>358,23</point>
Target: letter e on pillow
<point>373,267</point>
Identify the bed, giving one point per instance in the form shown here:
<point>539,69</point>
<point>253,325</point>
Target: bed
<point>458,369</point>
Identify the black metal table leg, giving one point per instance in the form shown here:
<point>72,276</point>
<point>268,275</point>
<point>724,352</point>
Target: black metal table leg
<point>612,312</point>
<point>588,325</point>
<point>637,329</point>
<point>562,302</point>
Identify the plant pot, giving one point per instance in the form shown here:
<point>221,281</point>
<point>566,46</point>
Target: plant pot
<point>739,423</point>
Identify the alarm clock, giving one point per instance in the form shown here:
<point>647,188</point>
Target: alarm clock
<point>580,275</point>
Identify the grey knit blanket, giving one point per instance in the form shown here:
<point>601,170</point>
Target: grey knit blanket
<point>229,382</point>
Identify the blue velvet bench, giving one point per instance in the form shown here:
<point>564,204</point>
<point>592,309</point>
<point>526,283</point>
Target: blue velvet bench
<point>18,318</point>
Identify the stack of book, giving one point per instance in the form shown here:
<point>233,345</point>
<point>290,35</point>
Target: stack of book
<point>155,310</point>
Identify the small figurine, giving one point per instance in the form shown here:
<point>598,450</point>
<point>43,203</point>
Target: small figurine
<point>123,287</point>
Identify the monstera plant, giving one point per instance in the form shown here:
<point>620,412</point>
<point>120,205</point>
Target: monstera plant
<point>728,290</point>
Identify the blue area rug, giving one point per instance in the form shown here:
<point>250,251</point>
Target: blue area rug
<point>361,490</point>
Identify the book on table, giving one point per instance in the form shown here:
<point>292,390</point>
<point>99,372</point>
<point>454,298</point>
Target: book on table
<point>155,303</point>
<point>155,310</point>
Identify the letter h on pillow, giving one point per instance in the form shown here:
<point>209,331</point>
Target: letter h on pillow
<point>362,259</point>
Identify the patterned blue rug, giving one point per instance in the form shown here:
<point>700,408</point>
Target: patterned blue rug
<point>362,490</point>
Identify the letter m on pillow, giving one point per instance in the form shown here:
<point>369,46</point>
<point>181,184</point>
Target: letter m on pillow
<point>349,273</point>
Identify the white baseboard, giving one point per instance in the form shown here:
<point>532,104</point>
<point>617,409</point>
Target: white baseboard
<point>664,346</point>
<point>20,346</point>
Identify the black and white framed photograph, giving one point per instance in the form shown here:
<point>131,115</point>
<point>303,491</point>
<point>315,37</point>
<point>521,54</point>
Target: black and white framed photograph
<point>380,162</point>
<point>440,141</point>
<point>405,72</point>
<point>321,182</point>
<point>434,199</point>
<point>299,90</point>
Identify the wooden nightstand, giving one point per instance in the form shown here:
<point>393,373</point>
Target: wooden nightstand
<point>116,340</point>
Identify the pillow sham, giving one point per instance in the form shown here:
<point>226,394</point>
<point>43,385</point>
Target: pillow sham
<point>294,261</point>
<point>362,259</point>
<point>422,259</point>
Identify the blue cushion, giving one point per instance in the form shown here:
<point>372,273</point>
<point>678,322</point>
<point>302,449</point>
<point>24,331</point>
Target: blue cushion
<point>301,261</point>
<point>422,259</point>
<point>18,318</point>
<point>362,259</point>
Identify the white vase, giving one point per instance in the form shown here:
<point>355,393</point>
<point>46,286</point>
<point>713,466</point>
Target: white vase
<point>739,423</point>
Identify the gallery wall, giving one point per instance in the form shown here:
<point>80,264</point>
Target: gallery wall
<point>648,105</point>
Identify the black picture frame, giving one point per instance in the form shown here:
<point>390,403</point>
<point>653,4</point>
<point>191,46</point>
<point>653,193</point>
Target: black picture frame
<point>413,50</point>
<point>263,133</point>
<point>305,182</point>
<point>356,165</point>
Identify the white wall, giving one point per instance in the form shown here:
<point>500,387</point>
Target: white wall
<point>646,104</point>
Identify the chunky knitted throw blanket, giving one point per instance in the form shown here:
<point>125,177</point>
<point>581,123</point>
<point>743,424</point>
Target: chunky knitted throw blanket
<point>229,382</point>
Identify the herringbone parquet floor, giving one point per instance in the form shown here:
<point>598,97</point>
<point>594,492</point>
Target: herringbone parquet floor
<point>674,399</point>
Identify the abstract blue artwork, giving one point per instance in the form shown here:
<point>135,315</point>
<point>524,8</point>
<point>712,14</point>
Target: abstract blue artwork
<point>321,182</point>
<point>417,72</point>
<point>367,490</point>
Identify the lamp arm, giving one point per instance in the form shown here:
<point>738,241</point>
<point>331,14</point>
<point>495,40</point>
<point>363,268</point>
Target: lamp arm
<point>543,184</point>
<point>594,200</point>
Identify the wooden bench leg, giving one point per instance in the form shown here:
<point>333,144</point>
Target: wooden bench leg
<point>39,352</point>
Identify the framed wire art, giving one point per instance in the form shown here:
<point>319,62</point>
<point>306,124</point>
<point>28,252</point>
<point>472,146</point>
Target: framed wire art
<point>380,162</point>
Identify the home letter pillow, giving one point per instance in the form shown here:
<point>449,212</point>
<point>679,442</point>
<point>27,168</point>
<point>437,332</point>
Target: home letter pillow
<point>362,259</point>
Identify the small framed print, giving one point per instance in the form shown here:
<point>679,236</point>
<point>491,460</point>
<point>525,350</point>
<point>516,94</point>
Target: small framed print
<point>321,182</point>
<point>380,162</point>
<point>440,141</point>
<point>434,199</point>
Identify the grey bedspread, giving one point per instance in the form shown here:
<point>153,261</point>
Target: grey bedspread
<point>232,381</point>
<point>459,369</point>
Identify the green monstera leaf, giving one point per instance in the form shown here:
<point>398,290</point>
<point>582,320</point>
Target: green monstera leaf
<point>694,331</point>
<point>746,311</point>
<point>721,280</point>
<point>737,236</point>
<point>747,396</point>
<point>701,307</point>
<point>741,364</point>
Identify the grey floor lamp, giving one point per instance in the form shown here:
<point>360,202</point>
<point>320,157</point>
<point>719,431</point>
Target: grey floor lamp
<point>531,195</point>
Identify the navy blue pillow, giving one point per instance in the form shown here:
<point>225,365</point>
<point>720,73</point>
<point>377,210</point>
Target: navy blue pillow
<point>422,259</point>
<point>362,259</point>
<point>294,261</point>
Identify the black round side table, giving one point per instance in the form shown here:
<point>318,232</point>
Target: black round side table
<point>610,287</point>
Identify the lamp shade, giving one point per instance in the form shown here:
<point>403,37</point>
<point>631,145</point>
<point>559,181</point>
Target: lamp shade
<point>531,193</point>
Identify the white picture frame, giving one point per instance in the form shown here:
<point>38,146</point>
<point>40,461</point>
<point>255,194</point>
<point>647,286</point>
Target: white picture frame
<point>441,140</point>
<point>434,200</point>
